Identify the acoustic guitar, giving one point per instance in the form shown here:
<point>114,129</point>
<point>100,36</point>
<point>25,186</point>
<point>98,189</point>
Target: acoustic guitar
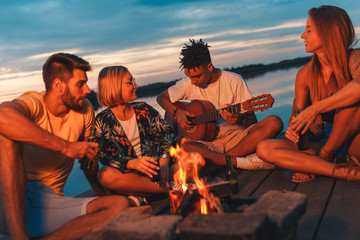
<point>204,121</point>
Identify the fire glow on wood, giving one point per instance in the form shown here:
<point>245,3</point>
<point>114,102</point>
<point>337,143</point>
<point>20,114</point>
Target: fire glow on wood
<point>189,164</point>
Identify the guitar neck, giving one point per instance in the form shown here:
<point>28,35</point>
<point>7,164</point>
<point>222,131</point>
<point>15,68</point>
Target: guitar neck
<point>215,115</point>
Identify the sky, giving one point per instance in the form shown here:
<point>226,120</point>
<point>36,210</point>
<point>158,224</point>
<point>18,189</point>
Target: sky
<point>147,35</point>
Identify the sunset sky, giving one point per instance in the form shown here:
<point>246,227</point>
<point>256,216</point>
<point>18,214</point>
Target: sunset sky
<point>146,36</point>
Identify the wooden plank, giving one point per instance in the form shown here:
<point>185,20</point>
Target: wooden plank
<point>279,179</point>
<point>250,180</point>
<point>341,219</point>
<point>317,192</point>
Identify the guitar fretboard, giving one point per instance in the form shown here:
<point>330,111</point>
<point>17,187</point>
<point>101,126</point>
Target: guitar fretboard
<point>215,115</point>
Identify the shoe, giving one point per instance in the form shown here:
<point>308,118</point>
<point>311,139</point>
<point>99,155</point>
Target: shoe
<point>138,201</point>
<point>253,162</point>
<point>300,177</point>
<point>349,171</point>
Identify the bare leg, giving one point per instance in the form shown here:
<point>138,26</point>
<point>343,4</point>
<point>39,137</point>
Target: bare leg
<point>12,187</point>
<point>265,129</point>
<point>284,154</point>
<point>129,183</point>
<point>354,149</point>
<point>343,128</point>
<point>99,211</point>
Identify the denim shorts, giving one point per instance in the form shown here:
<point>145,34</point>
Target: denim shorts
<point>46,211</point>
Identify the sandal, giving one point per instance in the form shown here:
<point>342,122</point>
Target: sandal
<point>300,177</point>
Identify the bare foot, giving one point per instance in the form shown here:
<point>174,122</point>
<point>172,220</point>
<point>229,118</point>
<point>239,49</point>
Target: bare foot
<point>302,177</point>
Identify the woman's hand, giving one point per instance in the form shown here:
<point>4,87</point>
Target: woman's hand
<point>292,135</point>
<point>305,118</point>
<point>164,170</point>
<point>146,165</point>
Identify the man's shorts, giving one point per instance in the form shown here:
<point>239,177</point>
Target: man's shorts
<point>227,137</point>
<point>46,211</point>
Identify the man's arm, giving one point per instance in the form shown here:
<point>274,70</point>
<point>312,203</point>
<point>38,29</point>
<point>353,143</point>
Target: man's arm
<point>15,116</point>
<point>179,115</point>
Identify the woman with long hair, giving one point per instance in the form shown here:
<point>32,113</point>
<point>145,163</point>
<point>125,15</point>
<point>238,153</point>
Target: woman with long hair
<point>330,36</point>
<point>125,132</point>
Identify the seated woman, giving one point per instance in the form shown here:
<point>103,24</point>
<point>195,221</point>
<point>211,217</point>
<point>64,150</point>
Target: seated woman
<point>329,35</point>
<point>125,131</point>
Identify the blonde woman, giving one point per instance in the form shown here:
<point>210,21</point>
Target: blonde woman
<point>330,36</point>
<point>124,131</point>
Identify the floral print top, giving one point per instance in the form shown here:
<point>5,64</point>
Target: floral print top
<point>115,148</point>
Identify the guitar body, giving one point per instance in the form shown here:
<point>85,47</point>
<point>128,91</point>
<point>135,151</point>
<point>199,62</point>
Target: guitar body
<point>203,131</point>
<point>206,115</point>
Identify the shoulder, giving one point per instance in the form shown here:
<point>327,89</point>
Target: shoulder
<point>354,64</point>
<point>231,76</point>
<point>104,114</point>
<point>303,72</point>
<point>32,102</point>
<point>143,106</point>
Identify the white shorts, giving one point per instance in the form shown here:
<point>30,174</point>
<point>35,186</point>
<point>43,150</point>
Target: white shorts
<point>46,211</point>
<point>227,138</point>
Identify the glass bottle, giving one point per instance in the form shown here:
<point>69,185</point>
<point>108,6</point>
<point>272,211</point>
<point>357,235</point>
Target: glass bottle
<point>86,163</point>
<point>154,154</point>
<point>303,143</point>
<point>231,176</point>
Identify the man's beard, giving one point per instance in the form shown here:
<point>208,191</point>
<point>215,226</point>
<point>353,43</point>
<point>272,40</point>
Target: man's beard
<point>70,101</point>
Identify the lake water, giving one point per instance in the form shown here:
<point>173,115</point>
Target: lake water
<point>280,84</point>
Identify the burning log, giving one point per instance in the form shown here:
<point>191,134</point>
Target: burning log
<point>198,199</point>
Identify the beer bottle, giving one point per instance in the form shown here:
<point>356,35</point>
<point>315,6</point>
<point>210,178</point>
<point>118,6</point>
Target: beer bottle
<point>154,154</point>
<point>303,143</point>
<point>86,163</point>
<point>231,176</point>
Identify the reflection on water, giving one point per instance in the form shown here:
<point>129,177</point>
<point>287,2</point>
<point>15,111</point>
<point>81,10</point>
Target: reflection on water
<point>279,84</point>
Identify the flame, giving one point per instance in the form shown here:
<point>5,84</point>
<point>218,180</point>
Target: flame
<point>203,206</point>
<point>189,164</point>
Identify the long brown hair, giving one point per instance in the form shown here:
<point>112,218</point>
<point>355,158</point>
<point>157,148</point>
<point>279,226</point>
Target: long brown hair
<point>337,36</point>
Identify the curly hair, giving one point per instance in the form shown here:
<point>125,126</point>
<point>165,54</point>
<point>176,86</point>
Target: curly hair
<point>194,55</point>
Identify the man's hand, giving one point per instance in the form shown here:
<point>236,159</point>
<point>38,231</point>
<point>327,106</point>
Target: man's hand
<point>80,149</point>
<point>182,119</point>
<point>232,118</point>
<point>145,164</point>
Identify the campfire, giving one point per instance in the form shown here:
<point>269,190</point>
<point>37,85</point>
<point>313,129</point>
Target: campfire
<point>192,194</point>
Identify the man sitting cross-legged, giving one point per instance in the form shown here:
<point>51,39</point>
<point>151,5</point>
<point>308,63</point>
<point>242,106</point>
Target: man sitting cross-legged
<point>238,133</point>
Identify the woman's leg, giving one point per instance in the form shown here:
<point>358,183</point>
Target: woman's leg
<point>346,125</point>
<point>128,183</point>
<point>283,153</point>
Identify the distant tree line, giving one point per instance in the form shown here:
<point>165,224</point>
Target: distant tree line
<point>247,71</point>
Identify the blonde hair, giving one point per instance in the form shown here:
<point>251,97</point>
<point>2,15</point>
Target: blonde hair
<point>110,85</point>
<point>337,36</point>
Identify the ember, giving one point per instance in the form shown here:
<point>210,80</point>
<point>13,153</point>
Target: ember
<point>188,196</point>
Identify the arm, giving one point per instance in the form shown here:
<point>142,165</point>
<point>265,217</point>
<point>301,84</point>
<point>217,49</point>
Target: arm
<point>16,115</point>
<point>301,100</point>
<point>347,96</point>
<point>179,115</point>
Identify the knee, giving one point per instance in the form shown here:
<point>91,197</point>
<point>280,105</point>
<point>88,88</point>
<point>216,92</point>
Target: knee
<point>274,125</point>
<point>264,149</point>
<point>107,175</point>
